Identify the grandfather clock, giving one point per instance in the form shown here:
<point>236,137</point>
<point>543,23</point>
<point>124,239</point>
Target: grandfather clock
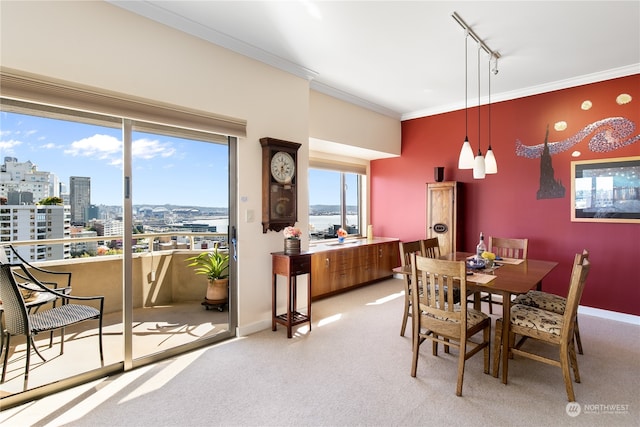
<point>279,183</point>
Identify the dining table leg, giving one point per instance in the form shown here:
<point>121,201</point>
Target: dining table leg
<point>506,326</point>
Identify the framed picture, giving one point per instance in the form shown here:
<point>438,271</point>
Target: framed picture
<point>606,190</point>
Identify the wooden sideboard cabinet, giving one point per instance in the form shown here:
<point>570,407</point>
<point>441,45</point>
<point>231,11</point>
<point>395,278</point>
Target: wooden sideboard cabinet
<point>336,268</point>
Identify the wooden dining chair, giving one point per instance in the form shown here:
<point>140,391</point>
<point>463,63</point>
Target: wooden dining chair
<point>19,321</point>
<point>505,248</point>
<point>406,249</point>
<point>438,318</point>
<point>551,302</point>
<point>430,247</point>
<point>548,327</point>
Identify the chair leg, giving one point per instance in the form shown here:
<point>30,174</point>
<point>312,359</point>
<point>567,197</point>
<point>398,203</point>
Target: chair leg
<point>462,356</point>
<point>405,315</point>
<point>564,363</point>
<point>577,335</point>
<point>100,341</point>
<point>490,300</point>
<point>6,357</point>
<point>35,348</point>
<point>28,360</point>
<point>486,336</point>
<point>497,347</point>
<point>416,349</point>
<point>574,362</point>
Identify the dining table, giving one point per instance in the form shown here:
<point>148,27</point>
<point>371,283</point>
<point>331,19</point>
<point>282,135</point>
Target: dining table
<point>507,277</point>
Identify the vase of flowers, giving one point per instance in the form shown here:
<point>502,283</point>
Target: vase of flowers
<point>342,233</point>
<point>292,240</point>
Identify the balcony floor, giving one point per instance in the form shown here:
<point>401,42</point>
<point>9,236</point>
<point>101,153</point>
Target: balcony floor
<point>154,329</point>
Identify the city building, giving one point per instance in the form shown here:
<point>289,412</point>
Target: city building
<point>33,222</point>
<point>24,177</point>
<point>79,198</point>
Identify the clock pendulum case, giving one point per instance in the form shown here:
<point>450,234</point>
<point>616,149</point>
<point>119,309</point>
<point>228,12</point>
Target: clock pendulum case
<point>279,183</point>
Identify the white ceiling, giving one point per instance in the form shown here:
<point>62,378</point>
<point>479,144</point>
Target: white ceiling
<point>406,59</point>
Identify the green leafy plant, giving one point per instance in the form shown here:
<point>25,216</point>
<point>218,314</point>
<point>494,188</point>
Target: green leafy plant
<point>215,265</point>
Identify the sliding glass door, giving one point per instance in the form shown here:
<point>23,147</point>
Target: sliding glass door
<point>122,205</point>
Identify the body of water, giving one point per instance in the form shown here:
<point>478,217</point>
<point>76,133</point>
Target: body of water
<point>317,224</point>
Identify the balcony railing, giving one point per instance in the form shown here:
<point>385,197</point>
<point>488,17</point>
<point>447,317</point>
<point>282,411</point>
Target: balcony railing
<point>160,272</point>
<point>167,310</point>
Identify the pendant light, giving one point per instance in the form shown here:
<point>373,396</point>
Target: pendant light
<point>478,163</point>
<point>490,164</point>
<point>465,160</point>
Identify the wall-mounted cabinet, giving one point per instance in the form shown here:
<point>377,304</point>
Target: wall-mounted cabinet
<point>339,267</point>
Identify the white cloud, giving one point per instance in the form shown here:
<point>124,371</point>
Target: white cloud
<point>50,146</point>
<point>148,149</point>
<point>99,146</point>
<point>109,148</point>
<point>7,147</point>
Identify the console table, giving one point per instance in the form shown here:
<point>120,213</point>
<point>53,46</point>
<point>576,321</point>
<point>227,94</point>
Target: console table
<point>290,266</point>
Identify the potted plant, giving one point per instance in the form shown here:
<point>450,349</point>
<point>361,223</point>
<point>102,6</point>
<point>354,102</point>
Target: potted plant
<point>215,265</point>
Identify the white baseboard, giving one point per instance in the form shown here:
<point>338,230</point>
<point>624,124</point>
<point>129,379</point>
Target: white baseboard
<point>590,311</point>
<point>611,315</point>
<point>243,331</point>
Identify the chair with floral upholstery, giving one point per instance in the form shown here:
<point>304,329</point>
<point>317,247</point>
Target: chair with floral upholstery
<point>440,319</point>
<point>549,327</point>
<point>551,302</point>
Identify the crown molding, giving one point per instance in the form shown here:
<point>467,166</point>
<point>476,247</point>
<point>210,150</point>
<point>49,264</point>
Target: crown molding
<point>533,90</point>
<point>155,12</point>
<point>352,99</point>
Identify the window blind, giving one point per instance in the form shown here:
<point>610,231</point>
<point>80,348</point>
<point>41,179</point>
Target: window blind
<point>29,87</point>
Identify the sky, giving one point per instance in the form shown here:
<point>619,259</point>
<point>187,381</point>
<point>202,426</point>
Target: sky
<point>165,169</point>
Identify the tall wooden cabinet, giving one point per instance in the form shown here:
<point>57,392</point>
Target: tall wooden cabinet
<point>444,215</point>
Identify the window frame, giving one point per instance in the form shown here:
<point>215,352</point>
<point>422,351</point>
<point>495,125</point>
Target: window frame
<point>345,168</point>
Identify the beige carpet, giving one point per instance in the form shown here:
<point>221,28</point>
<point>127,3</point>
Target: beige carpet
<point>352,369</point>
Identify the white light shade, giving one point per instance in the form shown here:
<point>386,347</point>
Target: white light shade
<point>465,161</point>
<point>490,165</point>
<point>478,167</point>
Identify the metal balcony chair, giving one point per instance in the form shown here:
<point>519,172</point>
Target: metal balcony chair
<point>58,280</point>
<point>19,321</point>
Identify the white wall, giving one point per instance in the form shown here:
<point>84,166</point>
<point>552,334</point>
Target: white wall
<point>337,121</point>
<point>100,45</point>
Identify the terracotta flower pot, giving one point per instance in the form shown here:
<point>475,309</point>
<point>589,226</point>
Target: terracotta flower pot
<point>218,290</point>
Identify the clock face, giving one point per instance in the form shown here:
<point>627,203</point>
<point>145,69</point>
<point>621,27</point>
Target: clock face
<point>282,167</point>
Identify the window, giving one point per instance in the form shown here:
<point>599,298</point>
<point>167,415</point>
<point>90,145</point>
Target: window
<point>335,200</point>
<point>70,132</point>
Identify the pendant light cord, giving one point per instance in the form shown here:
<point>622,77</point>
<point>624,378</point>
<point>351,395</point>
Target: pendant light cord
<point>466,85</point>
<point>479,151</point>
<point>489,101</point>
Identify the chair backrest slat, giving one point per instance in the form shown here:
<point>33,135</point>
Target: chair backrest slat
<point>509,247</point>
<point>408,248</point>
<point>430,247</point>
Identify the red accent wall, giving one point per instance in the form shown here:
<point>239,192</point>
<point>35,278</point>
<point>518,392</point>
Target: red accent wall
<point>506,204</point>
